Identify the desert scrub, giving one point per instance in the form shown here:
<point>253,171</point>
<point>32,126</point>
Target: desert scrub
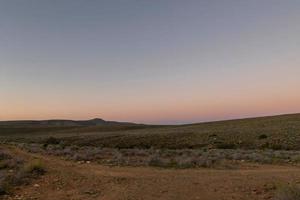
<point>4,155</point>
<point>226,145</point>
<point>5,187</point>
<point>35,167</point>
<point>263,136</point>
<point>184,158</point>
<point>11,163</point>
<point>14,171</point>
<point>51,140</point>
<point>288,192</point>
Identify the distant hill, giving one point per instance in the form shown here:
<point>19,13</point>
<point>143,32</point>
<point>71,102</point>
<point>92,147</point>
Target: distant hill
<point>58,122</point>
<point>275,132</point>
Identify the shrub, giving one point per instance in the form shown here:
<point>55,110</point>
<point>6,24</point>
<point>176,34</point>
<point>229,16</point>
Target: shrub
<point>51,140</point>
<point>4,155</point>
<point>276,147</point>
<point>262,136</point>
<point>6,164</point>
<point>226,146</point>
<point>19,178</point>
<point>13,172</point>
<point>11,163</point>
<point>4,186</point>
<point>35,167</point>
<point>155,160</point>
<point>80,157</point>
<point>186,162</point>
<point>290,192</point>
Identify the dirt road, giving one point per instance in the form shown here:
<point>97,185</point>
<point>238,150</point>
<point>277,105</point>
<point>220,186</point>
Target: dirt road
<point>67,180</point>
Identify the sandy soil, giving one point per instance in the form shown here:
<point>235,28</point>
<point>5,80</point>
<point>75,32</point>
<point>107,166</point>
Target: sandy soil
<point>67,180</point>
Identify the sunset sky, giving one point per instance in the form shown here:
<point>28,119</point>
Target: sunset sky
<point>149,61</point>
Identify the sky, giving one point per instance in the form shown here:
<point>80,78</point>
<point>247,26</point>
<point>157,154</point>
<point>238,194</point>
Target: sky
<point>157,62</point>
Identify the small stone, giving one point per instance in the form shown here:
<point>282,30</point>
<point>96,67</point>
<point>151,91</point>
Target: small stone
<point>36,185</point>
<point>18,197</point>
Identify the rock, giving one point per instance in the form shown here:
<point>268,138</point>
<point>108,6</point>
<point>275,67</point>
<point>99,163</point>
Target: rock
<point>36,185</point>
<point>18,197</point>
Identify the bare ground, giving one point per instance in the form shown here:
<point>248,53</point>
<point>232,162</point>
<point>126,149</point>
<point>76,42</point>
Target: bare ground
<point>67,180</point>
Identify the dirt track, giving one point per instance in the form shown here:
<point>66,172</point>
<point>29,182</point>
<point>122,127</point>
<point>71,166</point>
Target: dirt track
<point>71,181</point>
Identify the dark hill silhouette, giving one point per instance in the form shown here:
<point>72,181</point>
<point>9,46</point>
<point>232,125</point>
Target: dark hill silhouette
<point>61,122</point>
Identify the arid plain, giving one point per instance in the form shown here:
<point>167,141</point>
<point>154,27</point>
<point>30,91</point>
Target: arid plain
<point>238,159</point>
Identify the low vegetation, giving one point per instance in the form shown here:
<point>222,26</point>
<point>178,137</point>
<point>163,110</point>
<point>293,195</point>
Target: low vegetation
<point>180,158</point>
<point>35,167</point>
<point>277,133</point>
<point>15,171</point>
<point>288,192</point>
<point>261,140</point>
<point>218,145</point>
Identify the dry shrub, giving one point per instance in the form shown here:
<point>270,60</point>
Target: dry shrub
<point>4,155</point>
<point>35,167</point>
<point>288,192</point>
<point>4,186</point>
<point>13,171</point>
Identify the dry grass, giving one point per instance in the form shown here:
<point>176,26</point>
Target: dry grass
<point>15,171</point>
<point>35,167</point>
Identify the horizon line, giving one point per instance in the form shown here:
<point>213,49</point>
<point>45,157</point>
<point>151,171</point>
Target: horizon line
<point>201,122</point>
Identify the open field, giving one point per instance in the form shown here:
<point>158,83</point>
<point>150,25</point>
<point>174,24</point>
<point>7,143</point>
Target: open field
<point>238,159</point>
<point>278,133</point>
